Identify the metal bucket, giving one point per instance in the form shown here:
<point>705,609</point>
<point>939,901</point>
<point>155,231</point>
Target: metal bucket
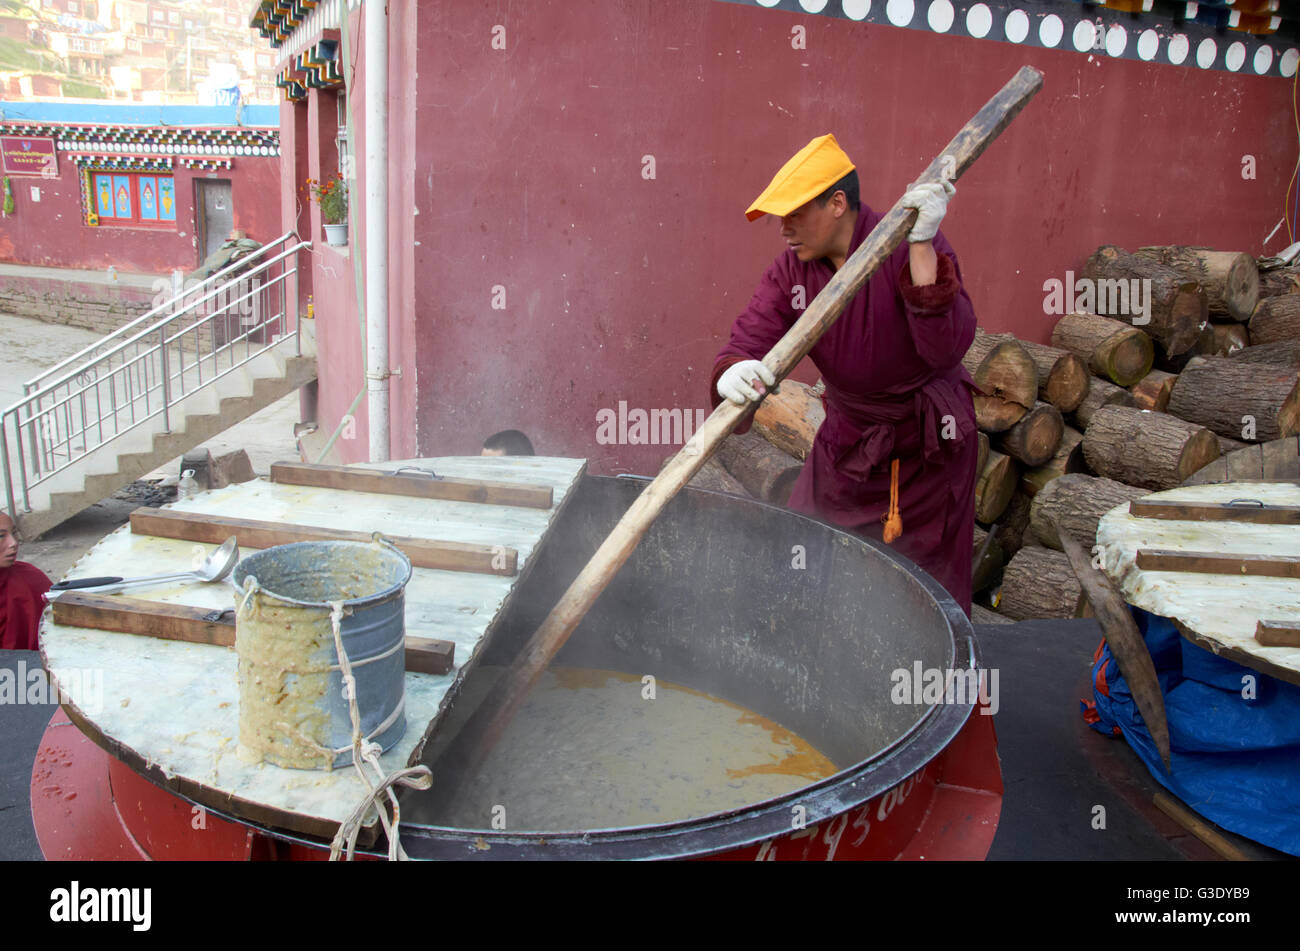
<point>293,709</point>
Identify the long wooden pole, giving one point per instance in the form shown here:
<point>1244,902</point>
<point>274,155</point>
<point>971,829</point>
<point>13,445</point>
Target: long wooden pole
<point>484,728</point>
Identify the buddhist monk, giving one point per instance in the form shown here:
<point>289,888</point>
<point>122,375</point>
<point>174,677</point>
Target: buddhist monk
<point>22,587</point>
<point>508,442</point>
<point>895,458</point>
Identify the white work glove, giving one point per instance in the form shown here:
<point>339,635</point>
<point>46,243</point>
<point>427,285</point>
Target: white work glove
<point>931,202</point>
<point>735,384</point>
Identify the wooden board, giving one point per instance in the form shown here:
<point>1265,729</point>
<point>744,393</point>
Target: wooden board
<point>1217,607</point>
<point>180,622</point>
<point>253,533</point>
<point>414,484</point>
<point>1278,633</point>
<point>1278,459</point>
<point>169,709</point>
<point>1237,511</point>
<point>1208,562</point>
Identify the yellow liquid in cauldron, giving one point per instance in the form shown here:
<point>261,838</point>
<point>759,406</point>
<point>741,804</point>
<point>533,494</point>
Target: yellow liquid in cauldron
<point>589,751</point>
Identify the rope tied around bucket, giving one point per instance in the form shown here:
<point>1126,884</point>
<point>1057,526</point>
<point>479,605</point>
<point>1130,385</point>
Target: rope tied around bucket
<point>367,751</point>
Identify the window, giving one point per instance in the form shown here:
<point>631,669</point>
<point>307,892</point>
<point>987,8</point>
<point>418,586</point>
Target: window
<point>159,16</point>
<point>72,6</point>
<point>341,144</point>
<point>135,198</point>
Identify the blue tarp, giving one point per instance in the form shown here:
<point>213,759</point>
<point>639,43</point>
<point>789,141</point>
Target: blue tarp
<point>1234,734</point>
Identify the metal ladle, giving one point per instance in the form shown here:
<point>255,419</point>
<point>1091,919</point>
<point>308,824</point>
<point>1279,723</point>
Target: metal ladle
<point>215,567</point>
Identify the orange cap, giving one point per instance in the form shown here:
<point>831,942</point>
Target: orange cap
<point>816,167</point>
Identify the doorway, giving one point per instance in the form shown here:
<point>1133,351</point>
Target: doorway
<point>216,214</point>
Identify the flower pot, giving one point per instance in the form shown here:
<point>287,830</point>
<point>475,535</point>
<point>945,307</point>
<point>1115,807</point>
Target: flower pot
<point>337,235</point>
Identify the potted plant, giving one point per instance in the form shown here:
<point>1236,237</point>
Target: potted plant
<point>332,196</point>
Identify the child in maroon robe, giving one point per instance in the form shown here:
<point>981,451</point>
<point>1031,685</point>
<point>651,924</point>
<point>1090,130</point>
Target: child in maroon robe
<point>22,589</point>
<point>895,458</point>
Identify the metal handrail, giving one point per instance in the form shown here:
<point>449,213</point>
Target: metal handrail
<point>65,419</point>
<point>161,308</point>
<point>160,329</point>
<point>163,323</point>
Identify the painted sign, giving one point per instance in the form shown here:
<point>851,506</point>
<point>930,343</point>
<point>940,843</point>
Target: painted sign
<point>29,155</point>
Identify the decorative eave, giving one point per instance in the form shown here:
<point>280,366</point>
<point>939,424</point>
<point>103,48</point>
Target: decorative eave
<point>215,141</point>
<point>277,19</point>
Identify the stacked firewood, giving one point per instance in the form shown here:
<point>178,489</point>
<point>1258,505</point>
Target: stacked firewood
<point>1209,365</point>
<point>765,462</point>
<point>1112,410</point>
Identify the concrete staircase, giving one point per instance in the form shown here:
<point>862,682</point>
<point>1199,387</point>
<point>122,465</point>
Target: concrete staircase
<point>214,354</point>
<point>194,420</point>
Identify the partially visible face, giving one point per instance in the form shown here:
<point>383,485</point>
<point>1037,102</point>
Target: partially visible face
<point>492,452</point>
<point>8,542</point>
<point>811,230</point>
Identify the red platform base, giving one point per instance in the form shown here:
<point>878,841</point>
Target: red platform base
<point>87,805</point>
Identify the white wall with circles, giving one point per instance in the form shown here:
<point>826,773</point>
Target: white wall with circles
<point>1152,38</point>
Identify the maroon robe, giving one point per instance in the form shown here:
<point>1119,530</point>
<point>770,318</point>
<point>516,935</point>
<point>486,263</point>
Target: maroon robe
<point>895,388</point>
<point>22,587</point>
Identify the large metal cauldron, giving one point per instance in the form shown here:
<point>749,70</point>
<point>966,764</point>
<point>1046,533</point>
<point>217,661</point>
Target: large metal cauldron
<point>714,599</point>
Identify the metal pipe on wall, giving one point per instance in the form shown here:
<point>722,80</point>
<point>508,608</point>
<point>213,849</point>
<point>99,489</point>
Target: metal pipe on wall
<point>376,246</point>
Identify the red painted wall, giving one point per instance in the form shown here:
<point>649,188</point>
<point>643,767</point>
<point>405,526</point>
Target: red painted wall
<point>522,168</point>
<point>53,232</point>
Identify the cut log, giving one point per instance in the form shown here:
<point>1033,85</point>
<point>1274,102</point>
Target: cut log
<point>790,418</point>
<point>1063,377</point>
<point>1039,583</point>
<point>1230,279</point>
<point>1075,504</point>
<point>1114,350</point>
<point>993,414</point>
<point>986,563</point>
<point>1227,445</point>
<point>1152,391</point>
<point>1152,450</point>
<point>1276,319</point>
<point>979,349</point>
<point>766,472</point>
<point>982,615</point>
<point>714,477</point>
<point>1177,307</point>
<point>983,456</point>
<point>1013,526</point>
<point>1230,397</point>
<point>1283,280</point>
<point>1101,393</point>
<point>1068,458</point>
<point>1227,339</point>
<point>1008,381</point>
<point>1285,353</point>
<point>995,486</point>
<point>1034,439</point>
